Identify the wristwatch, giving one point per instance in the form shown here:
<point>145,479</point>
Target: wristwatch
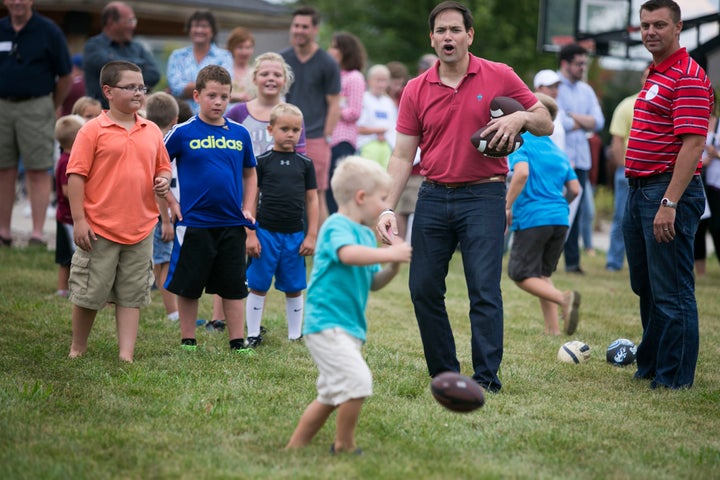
<point>328,139</point>
<point>666,202</point>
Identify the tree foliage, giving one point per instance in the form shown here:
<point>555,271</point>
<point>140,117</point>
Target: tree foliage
<point>505,31</point>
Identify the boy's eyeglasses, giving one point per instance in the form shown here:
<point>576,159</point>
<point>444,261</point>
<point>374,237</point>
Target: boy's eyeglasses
<point>132,88</point>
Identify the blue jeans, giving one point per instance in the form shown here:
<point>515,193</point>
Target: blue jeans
<point>588,215</point>
<point>474,217</point>
<point>616,252</point>
<point>661,274</point>
<point>572,244</point>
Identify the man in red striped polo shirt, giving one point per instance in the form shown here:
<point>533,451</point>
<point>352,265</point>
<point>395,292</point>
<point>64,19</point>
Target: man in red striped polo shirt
<point>666,198</point>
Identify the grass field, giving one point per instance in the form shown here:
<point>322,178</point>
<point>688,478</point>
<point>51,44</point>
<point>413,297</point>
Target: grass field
<point>213,415</point>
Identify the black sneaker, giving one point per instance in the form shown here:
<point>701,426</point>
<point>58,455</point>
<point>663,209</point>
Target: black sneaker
<point>263,330</point>
<point>215,326</point>
<point>254,342</point>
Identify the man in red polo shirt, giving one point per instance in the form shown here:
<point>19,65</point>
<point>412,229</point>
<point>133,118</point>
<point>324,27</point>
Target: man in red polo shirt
<point>462,200</point>
<point>666,199</point>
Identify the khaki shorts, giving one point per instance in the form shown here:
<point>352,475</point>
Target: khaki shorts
<point>112,272</point>
<point>344,375</point>
<point>319,152</point>
<point>27,130</point>
<point>409,195</point>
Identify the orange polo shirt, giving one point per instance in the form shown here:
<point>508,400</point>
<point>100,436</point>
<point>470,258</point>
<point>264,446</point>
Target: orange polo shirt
<point>119,167</point>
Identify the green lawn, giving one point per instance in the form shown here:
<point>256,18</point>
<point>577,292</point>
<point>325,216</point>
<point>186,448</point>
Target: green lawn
<point>214,415</point>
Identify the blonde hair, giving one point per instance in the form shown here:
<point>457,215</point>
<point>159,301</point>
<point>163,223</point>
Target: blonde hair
<point>82,103</point>
<point>355,173</point>
<point>270,57</point>
<point>66,129</point>
<point>284,109</point>
<point>378,69</point>
<point>162,109</point>
<point>549,103</point>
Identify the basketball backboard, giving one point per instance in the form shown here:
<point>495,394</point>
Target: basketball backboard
<point>612,27</point>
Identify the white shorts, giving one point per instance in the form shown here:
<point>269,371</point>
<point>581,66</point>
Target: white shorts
<point>344,375</point>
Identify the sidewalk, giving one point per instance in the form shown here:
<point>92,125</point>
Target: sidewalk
<point>22,225</point>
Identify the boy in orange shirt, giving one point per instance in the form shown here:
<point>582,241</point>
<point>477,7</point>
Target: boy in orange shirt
<point>117,160</point>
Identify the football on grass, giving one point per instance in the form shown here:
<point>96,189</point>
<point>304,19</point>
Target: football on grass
<point>621,352</point>
<point>574,352</point>
<point>457,392</point>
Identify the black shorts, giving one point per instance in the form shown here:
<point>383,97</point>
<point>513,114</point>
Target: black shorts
<point>64,243</point>
<point>212,259</point>
<point>535,252</point>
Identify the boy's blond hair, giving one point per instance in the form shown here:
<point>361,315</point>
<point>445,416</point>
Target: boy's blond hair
<point>355,173</point>
<point>284,109</point>
<point>82,103</point>
<point>66,129</point>
<point>549,103</point>
<point>378,69</point>
<point>162,109</point>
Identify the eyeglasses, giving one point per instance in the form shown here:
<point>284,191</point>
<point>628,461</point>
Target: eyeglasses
<point>132,88</point>
<point>132,22</point>
<point>579,63</point>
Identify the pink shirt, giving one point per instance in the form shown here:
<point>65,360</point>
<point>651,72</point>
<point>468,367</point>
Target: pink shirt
<point>119,167</point>
<point>445,118</point>
<point>351,95</point>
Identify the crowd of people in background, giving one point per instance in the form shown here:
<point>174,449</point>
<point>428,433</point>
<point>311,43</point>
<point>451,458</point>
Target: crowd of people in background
<point>304,111</point>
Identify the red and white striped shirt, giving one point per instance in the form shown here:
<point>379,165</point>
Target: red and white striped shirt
<point>676,100</point>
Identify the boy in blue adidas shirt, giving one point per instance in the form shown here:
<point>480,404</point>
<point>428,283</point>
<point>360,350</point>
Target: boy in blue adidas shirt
<point>217,187</point>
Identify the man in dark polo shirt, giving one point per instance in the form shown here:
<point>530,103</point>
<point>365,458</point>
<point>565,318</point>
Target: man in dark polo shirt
<point>666,198</point>
<point>35,79</point>
<point>115,42</point>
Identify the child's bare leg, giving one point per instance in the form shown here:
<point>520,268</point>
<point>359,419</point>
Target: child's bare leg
<point>168,298</point>
<point>127,320</point>
<point>234,317</point>
<point>218,312</point>
<point>82,322</point>
<point>550,297</point>
<point>188,310</point>
<point>63,277</point>
<point>550,313</point>
<point>312,420</point>
<point>347,418</point>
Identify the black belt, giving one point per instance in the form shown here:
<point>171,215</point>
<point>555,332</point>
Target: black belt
<point>637,182</point>
<point>19,98</point>
<point>496,178</point>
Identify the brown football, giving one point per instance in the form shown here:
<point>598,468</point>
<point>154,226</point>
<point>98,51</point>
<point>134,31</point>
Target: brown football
<point>457,392</point>
<point>482,144</point>
<point>500,106</point>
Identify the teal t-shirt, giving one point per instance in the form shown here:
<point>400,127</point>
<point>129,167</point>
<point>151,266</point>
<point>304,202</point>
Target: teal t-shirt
<point>541,203</point>
<point>338,293</point>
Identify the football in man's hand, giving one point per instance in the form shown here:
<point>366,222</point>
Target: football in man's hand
<point>457,392</point>
<point>481,143</point>
<point>501,106</point>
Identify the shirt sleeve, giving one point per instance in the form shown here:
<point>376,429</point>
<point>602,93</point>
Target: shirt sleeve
<point>175,73</point>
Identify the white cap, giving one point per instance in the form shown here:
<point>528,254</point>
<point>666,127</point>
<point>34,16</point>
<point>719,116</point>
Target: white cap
<point>546,78</point>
